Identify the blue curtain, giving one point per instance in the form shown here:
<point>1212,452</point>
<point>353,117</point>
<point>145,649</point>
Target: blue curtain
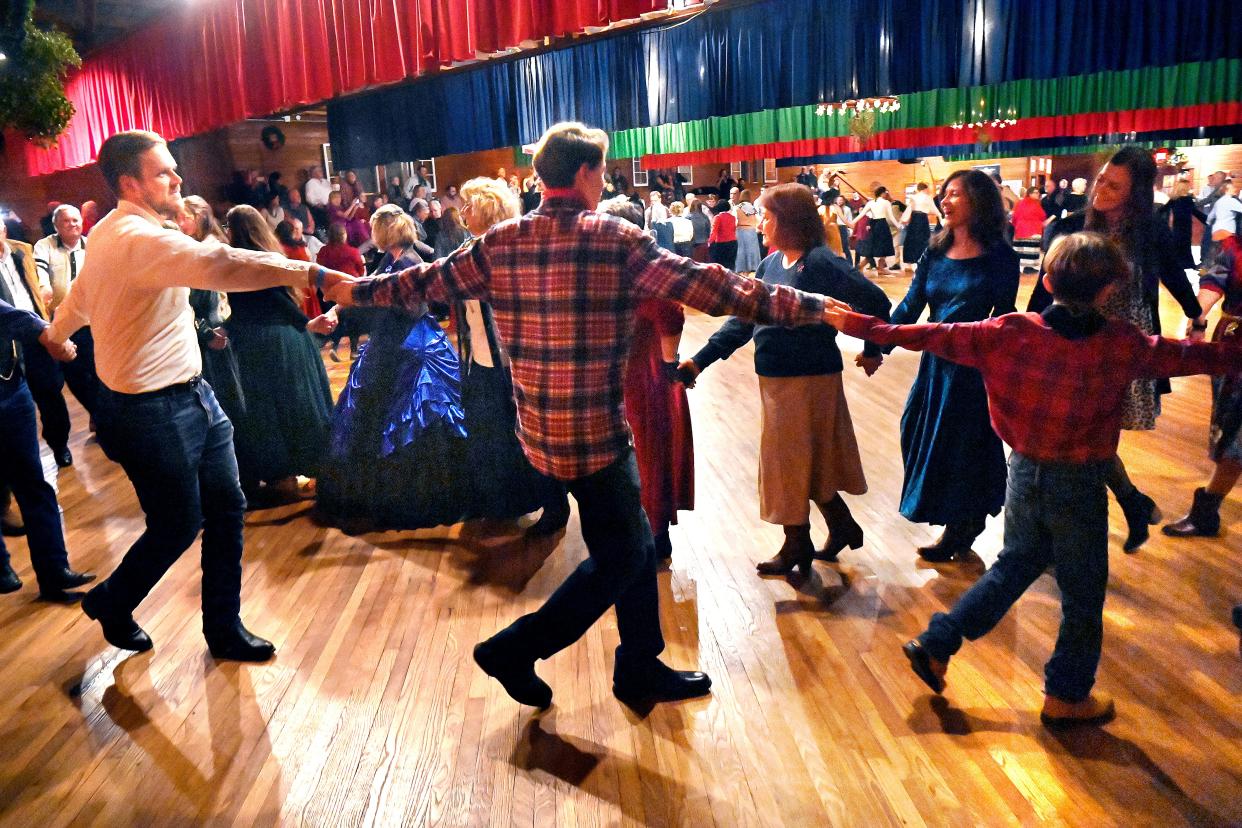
<point>774,54</point>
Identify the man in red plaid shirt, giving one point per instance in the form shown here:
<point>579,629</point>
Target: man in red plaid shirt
<point>564,282</point>
<point>1055,383</point>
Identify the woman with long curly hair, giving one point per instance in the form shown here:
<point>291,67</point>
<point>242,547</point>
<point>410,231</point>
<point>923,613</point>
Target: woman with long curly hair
<point>1121,206</point>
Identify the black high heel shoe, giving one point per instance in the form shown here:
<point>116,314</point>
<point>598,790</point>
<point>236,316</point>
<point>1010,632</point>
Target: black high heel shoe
<point>797,552</point>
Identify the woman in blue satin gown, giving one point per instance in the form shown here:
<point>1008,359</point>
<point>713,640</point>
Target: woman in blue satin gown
<point>397,448</point>
<point>954,462</point>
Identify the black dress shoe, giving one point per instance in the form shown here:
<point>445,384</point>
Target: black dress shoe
<point>119,630</point>
<point>65,578</point>
<point>921,664</point>
<point>658,682</point>
<point>64,458</point>
<point>237,643</point>
<point>516,675</point>
<point>55,586</point>
<point>554,518</point>
<point>9,582</point>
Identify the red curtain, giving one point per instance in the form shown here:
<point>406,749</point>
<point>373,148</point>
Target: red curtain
<point>220,61</point>
<point>1091,123</point>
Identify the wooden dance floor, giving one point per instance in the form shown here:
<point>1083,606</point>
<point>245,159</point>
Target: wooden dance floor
<point>373,713</point>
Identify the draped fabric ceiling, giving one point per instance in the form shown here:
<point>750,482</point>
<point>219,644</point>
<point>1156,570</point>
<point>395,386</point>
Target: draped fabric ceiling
<point>216,62</point>
<point>671,94</point>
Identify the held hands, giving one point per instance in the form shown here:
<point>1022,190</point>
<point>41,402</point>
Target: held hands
<point>336,286</point>
<point>61,352</point>
<point>323,324</point>
<point>219,339</point>
<point>870,364</point>
<point>835,311</point>
<point>1194,333</point>
<point>687,373</point>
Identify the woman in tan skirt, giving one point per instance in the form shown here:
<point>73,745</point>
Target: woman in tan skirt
<point>807,453</point>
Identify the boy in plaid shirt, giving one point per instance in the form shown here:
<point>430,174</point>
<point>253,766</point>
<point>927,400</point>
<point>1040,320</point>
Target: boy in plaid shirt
<point>1055,383</point>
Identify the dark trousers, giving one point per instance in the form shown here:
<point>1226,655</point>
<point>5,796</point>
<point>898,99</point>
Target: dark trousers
<point>620,571</point>
<point>845,243</point>
<point>1055,513</point>
<point>22,470</point>
<point>47,379</point>
<point>176,446</point>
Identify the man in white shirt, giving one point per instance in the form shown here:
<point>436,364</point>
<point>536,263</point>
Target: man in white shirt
<point>60,258</point>
<point>656,211</point>
<point>156,416</point>
<point>316,192</point>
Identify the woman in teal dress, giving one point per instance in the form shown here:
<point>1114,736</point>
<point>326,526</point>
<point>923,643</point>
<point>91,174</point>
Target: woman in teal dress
<point>954,462</point>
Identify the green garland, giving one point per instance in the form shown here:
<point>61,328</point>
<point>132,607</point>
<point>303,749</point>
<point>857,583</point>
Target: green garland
<point>32,78</point>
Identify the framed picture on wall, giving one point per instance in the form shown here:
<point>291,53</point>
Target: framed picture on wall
<point>769,171</point>
<point>687,173</point>
<point>638,175</point>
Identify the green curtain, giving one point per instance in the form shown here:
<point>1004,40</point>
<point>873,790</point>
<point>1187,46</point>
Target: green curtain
<point>1156,87</point>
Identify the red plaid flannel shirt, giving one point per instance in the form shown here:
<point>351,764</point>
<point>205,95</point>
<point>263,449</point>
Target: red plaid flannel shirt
<point>1052,398</point>
<point>564,282</point>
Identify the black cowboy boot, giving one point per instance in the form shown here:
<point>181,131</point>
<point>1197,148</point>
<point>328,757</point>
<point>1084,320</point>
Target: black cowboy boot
<point>1203,520</point>
<point>843,530</point>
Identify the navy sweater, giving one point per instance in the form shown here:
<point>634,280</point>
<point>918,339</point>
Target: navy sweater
<point>807,350</point>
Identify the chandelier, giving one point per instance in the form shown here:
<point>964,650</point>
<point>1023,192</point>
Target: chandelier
<point>999,121</point>
<point>887,103</point>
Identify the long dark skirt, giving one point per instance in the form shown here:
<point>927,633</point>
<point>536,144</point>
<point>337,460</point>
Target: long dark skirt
<point>506,485</point>
<point>723,253</point>
<point>220,371</point>
<point>383,471</point>
<point>918,234</point>
<point>284,429</point>
<point>879,241</point>
<point>954,462</point>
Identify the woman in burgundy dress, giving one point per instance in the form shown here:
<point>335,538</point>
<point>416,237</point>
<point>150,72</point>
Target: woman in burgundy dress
<point>656,407</point>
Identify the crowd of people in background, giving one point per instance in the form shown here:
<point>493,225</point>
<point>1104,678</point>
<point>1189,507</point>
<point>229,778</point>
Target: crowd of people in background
<point>427,432</point>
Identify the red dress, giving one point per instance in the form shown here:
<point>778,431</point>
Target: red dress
<point>659,416</point>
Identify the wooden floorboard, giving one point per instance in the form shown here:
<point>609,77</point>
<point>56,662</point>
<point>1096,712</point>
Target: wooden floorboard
<point>373,713</point>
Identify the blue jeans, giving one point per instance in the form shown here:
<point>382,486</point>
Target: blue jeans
<point>176,446</point>
<point>620,571</point>
<point>1055,513</point>
<point>22,470</point>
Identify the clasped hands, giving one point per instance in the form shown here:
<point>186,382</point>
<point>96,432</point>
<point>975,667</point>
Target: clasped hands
<point>61,351</point>
<point>338,287</point>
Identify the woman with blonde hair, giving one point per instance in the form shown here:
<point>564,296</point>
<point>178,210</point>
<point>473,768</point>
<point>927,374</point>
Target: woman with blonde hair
<point>504,484</point>
<point>284,428</point>
<point>397,441</point>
